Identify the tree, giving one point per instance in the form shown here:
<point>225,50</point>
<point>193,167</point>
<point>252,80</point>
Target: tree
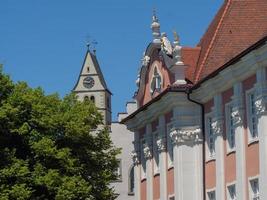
<point>46,148</point>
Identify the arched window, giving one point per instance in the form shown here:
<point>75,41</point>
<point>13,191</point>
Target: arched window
<point>131,181</point>
<point>92,98</point>
<point>156,81</point>
<point>86,98</point>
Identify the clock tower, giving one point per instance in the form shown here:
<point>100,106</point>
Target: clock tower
<point>91,86</point>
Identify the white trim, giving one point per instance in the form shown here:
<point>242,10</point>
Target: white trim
<point>209,191</point>
<point>249,123</point>
<point>228,185</point>
<point>156,166</point>
<point>169,148</point>
<point>241,70</point>
<point>209,155</point>
<point>250,179</point>
<point>230,126</point>
<point>143,160</point>
<point>171,196</point>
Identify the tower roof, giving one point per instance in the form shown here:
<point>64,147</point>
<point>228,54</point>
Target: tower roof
<point>237,25</point>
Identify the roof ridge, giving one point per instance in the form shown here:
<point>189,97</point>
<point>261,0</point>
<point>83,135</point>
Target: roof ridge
<point>212,40</point>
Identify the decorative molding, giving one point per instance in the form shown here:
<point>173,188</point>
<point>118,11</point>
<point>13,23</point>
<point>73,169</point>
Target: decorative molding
<point>260,106</point>
<point>183,135</point>
<point>161,144</point>
<point>135,157</point>
<point>147,152</point>
<point>145,61</point>
<point>237,117</point>
<point>217,127</point>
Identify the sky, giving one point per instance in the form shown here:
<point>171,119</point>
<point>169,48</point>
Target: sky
<point>43,42</point>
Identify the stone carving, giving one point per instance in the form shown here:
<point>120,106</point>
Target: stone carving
<point>161,144</point>
<point>236,115</point>
<point>179,135</point>
<point>260,106</point>
<point>147,152</point>
<point>145,61</point>
<point>217,127</point>
<point>166,44</point>
<point>135,157</point>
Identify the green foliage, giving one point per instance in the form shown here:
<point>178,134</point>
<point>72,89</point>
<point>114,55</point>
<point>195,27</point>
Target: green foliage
<point>47,148</point>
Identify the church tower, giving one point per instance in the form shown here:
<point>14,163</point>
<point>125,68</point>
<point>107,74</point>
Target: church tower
<point>91,86</point>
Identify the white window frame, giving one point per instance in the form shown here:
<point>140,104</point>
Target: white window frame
<point>143,160</point>
<point>171,197</point>
<point>170,145</point>
<point>230,127</point>
<point>210,155</point>
<point>252,196</point>
<point>229,186</point>
<point>213,190</point>
<point>156,82</point>
<point>251,139</point>
<point>156,166</point>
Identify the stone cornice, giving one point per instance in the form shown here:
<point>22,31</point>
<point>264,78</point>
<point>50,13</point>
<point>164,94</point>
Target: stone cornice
<point>237,72</point>
<point>167,103</point>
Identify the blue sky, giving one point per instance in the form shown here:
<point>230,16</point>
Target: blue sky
<point>43,42</point>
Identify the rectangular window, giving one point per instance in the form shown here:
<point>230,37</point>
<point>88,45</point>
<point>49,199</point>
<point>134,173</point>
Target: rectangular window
<point>231,192</point>
<point>211,195</point>
<point>252,116</point>
<point>169,146</point>
<point>143,160</point>
<point>254,189</point>
<point>119,170</point>
<point>230,127</point>
<point>155,153</point>
<point>210,138</point>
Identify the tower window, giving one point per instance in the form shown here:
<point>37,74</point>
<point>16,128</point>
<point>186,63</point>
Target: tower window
<point>92,98</point>
<point>88,69</point>
<point>86,98</point>
<point>131,181</point>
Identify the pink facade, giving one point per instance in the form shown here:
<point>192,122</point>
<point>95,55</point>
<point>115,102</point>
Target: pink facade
<point>202,112</point>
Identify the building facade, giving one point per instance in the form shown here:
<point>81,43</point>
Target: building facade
<point>200,127</point>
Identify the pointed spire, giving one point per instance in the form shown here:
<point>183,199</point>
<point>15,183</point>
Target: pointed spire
<point>155,27</point>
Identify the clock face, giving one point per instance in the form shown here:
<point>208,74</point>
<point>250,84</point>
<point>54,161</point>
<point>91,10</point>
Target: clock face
<point>88,82</point>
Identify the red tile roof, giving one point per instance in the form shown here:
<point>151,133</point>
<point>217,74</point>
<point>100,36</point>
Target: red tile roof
<point>237,25</point>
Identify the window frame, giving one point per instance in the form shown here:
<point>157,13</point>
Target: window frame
<point>230,126</point>
<point>251,193</point>
<point>131,191</point>
<point>143,160</point>
<point>233,184</point>
<point>251,139</point>
<point>156,170</point>
<point>213,190</point>
<point>208,127</point>
<point>170,145</point>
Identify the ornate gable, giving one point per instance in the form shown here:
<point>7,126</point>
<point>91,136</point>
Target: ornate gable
<point>161,66</point>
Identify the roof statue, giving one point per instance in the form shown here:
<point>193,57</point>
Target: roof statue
<point>166,44</point>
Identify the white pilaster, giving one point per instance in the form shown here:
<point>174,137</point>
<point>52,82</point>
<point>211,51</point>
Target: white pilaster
<point>262,127</point>
<point>161,143</point>
<point>240,142</point>
<point>149,166</point>
<point>219,148</point>
<point>137,167</point>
